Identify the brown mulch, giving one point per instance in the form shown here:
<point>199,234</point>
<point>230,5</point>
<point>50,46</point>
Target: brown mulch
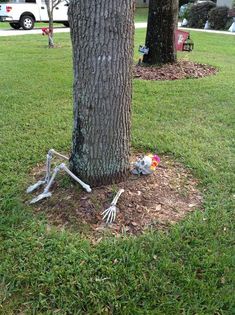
<point>181,70</point>
<point>149,202</point>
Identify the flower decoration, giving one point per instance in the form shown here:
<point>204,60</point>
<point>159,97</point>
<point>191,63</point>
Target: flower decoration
<point>155,161</point>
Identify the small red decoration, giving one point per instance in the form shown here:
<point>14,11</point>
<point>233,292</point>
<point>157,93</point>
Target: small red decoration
<point>183,41</point>
<point>46,31</point>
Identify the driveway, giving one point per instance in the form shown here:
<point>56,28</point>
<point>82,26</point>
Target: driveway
<point>11,32</point>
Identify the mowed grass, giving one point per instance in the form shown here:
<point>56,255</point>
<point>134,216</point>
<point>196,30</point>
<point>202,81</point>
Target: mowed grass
<point>140,16</point>
<point>188,270</point>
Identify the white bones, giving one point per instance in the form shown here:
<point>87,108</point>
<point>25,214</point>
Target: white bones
<point>49,178</point>
<point>110,213</point>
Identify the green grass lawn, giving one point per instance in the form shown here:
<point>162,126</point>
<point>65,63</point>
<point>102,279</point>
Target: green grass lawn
<point>188,270</point>
<point>140,16</point>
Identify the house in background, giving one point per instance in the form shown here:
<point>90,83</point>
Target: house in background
<point>226,3</point>
<point>142,3</point>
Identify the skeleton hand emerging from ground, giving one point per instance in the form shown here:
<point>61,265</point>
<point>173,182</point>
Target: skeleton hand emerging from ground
<point>50,177</point>
<point>109,215</point>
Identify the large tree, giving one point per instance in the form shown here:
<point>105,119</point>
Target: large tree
<point>160,37</point>
<point>102,39</point>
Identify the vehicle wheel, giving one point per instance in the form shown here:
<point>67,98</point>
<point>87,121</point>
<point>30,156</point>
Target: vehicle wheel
<point>66,24</point>
<point>16,26</point>
<point>27,22</point>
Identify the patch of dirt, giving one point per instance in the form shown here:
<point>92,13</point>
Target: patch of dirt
<point>152,201</point>
<point>180,70</point>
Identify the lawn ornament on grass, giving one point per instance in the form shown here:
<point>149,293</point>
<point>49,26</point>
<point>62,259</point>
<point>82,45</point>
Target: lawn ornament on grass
<point>232,27</point>
<point>48,32</point>
<point>231,14</point>
<point>143,50</point>
<point>50,177</point>
<point>184,22</point>
<point>146,164</point>
<point>183,41</point>
<point>207,25</point>
<point>109,215</point>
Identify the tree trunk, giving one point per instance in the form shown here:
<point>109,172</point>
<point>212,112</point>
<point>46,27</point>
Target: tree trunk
<point>49,5</point>
<point>160,37</point>
<point>102,39</point>
<point>51,31</point>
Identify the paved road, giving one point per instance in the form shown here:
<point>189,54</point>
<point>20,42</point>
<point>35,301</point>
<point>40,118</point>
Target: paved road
<point>10,32</point>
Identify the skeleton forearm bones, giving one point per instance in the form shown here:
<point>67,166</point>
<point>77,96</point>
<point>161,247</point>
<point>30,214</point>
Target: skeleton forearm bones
<point>49,178</point>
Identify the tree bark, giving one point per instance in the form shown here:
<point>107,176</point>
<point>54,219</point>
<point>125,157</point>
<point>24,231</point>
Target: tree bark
<point>102,39</point>
<point>51,30</point>
<point>160,37</point>
<point>50,8</point>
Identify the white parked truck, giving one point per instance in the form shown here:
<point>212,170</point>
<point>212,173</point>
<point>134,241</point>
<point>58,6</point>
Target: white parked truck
<point>24,13</point>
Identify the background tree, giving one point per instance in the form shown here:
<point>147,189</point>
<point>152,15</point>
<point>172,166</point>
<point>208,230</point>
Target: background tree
<point>102,39</point>
<point>51,4</point>
<point>160,37</point>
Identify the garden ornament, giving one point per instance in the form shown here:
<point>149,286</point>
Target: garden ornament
<point>48,32</point>
<point>207,25</point>
<point>184,23</point>
<point>232,27</point>
<point>50,177</point>
<point>146,164</point>
<point>143,50</point>
<point>109,215</point>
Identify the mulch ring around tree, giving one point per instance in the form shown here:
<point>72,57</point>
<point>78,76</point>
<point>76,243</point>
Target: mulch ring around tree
<point>180,70</point>
<point>149,202</point>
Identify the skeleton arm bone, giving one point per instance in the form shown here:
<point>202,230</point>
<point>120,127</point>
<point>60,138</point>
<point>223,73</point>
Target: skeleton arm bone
<point>50,154</point>
<point>84,185</point>
<point>46,192</point>
<point>52,151</point>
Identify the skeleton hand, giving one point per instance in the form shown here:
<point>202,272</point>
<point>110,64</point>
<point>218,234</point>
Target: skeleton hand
<point>46,193</point>
<point>110,213</point>
<point>35,186</point>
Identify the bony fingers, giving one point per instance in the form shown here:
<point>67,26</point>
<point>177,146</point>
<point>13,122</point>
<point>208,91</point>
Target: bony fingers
<point>35,186</point>
<point>106,214</point>
<point>114,215</point>
<point>109,216</point>
<point>112,218</point>
<point>106,210</point>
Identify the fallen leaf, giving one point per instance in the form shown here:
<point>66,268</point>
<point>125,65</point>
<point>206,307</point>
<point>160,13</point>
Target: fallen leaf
<point>134,223</point>
<point>222,280</point>
<point>192,205</point>
<point>158,207</point>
